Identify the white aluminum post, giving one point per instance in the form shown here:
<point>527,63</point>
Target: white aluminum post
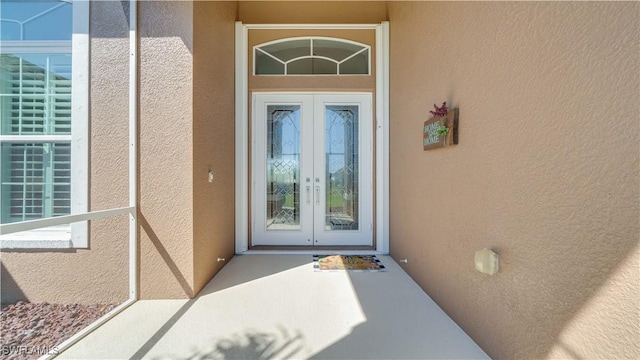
<point>242,141</point>
<point>382,137</point>
<point>133,149</point>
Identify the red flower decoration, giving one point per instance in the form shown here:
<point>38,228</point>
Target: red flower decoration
<point>440,111</point>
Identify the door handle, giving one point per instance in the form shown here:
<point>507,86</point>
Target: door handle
<point>317,194</point>
<point>308,194</point>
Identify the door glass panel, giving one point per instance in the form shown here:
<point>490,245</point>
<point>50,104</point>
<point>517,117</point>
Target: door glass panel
<point>283,167</point>
<point>342,159</point>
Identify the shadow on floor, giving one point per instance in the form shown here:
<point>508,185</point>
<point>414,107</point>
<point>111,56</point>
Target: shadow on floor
<point>242,272</point>
<point>153,340</point>
<point>253,344</point>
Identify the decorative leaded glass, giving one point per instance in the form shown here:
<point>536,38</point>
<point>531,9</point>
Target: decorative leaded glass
<point>342,164</point>
<point>283,167</point>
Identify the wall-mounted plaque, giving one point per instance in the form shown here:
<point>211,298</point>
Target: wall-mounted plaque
<point>433,129</point>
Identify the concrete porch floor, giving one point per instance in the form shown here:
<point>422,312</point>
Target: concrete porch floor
<point>276,306</point>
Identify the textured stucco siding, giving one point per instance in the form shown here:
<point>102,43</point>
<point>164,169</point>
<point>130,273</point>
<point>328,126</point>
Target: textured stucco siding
<point>99,274</point>
<point>166,149</point>
<point>186,223</point>
<point>546,172</point>
<point>312,12</point>
<point>213,137</point>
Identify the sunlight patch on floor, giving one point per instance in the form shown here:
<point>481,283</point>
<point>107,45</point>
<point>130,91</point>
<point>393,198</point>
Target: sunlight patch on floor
<point>277,307</point>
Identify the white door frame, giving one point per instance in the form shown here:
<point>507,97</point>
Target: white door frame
<point>243,206</point>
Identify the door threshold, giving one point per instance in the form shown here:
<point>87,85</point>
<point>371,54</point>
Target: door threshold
<point>315,250</point>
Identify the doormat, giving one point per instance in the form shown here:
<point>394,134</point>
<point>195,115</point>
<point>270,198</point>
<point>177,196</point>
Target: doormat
<point>356,263</point>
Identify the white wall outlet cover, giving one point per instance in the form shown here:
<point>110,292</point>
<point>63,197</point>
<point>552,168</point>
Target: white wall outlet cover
<point>487,261</point>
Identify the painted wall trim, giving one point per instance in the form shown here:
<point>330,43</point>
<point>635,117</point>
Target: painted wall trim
<point>242,140</point>
<point>382,127</point>
<point>311,252</point>
<point>310,26</point>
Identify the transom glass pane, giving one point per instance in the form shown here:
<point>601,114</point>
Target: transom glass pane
<point>342,164</point>
<point>311,56</point>
<point>313,66</point>
<point>337,50</point>
<point>358,64</point>
<point>266,65</point>
<point>283,167</point>
<point>289,50</point>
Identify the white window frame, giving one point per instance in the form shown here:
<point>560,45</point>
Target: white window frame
<point>76,234</point>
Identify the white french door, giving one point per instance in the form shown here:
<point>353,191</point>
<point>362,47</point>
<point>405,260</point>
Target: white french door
<point>312,169</point>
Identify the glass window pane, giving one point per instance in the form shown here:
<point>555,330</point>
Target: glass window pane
<point>288,50</point>
<point>337,50</point>
<point>266,65</point>
<point>357,65</point>
<point>312,66</point>
<point>35,93</point>
<point>36,181</point>
<point>59,72</point>
<point>342,164</point>
<point>9,30</point>
<point>40,20</point>
<point>283,167</point>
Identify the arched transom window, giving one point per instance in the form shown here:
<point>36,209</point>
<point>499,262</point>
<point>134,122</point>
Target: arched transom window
<point>311,56</point>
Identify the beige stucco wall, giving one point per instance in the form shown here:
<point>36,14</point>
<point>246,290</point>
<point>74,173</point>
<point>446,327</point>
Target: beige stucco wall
<point>546,172</point>
<point>312,12</point>
<point>166,149</point>
<point>186,129</point>
<point>99,274</point>
<point>213,137</point>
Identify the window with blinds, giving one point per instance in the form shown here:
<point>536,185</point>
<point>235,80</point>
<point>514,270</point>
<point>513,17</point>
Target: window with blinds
<point>35,110</point>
